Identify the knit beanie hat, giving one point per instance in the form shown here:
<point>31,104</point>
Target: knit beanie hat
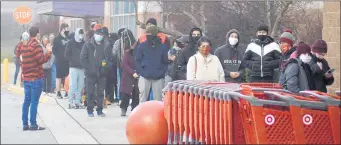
<point>152,21</point>
<point>287,37</point>
<point>319,46</point>
<point>153,30</point>
<point>263,28</point>
<point>97,26</point>
<point>302,49</point>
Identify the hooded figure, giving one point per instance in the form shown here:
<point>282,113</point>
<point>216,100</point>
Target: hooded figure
<point>72,53</point>
<point>126,38</point>
<point>191,49</point>
<point>73,49</point>
<point>230,56</point>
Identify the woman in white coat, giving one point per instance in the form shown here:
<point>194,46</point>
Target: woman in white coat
<point>203,65</point>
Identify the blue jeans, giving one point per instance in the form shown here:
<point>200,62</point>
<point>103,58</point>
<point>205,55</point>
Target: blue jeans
<point>17,69</point>
<point>54,73</point>
<point>32,91</point>
<point>76,77</point>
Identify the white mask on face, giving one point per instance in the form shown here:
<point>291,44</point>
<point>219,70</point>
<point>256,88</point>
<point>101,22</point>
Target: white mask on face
<point>233,41</point>
<point>305,58</point>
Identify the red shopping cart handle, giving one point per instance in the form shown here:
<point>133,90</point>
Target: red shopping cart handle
<point>327,99</point>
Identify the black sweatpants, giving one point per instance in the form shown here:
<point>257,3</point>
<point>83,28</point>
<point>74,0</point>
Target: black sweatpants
<point>126,97</point>
<point>95,92</point>
<point>47,84</point>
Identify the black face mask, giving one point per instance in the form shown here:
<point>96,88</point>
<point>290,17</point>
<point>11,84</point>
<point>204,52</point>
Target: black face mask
<point>262,37</point>
<point>196,38</point>
<point>66,33</point>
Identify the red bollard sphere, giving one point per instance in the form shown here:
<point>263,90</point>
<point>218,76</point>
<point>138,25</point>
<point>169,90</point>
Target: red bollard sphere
<point>147,124</point>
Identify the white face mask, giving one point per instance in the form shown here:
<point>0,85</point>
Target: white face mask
<point>233,41</point>
<point>81,37</point>
<point>305,58</point>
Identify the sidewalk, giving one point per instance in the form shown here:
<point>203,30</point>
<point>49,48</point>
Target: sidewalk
<point>64,126</point>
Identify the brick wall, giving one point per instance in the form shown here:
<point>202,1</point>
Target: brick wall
<point>331,34</point>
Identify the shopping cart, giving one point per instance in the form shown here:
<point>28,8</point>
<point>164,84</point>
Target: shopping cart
<point>225,113</point>
<point>334,112</point>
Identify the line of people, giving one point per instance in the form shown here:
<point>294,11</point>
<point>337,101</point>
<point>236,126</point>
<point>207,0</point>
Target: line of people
<point>103,65</point>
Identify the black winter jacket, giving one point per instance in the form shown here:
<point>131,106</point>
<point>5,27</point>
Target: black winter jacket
<point>319,74</point>
<point>92,57</point>
<point>58,49</point>
<point>262,57</point>
<point>179,72</point>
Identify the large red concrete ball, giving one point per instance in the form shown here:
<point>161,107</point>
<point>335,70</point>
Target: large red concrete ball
<point>147,124</point>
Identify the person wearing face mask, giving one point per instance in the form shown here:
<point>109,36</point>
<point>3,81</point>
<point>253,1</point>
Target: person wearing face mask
<point>76,71</point>
<point>172,54</point>
<point>62,64</point>
<point>286,44</point>
<point>125,41</point>
<point>320,66</point>
<point>186,53</point>
<point>32,57</point>
<point>47,67</point>
<point>151,63</point>
<point>296,75</point>
<point>262,57</point>
<point>203,65</point>
<point>95,59</point>
<point>53,69</point>
<point>230,56</point>
<point>23,41</point>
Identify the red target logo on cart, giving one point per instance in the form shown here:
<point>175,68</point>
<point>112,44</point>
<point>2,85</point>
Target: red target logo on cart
<point>307,119</point>
<point>269,119</point>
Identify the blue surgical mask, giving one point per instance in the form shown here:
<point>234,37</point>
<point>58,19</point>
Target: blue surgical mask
<point>25,36</point>
<point>98,38</point>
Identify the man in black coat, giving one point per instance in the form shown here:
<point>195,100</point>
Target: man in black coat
<point>262,56</point>
<point>182,59</point>
<point>96,62</point>
<point>62,64</point>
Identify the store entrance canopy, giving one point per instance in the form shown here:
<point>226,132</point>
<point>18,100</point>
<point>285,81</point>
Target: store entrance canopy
<point>77,9</point>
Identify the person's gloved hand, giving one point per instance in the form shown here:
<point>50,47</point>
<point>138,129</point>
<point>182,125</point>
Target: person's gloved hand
<point>104,63</point>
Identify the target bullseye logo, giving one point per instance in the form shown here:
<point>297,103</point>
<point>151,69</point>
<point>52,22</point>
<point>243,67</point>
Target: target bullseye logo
<point>307,119</point>
<point>269,119</point>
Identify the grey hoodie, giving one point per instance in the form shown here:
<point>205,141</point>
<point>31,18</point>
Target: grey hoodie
<point>48,64</point>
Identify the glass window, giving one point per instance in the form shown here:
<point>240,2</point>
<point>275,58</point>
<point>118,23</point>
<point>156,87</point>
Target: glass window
<point>121,21</point>
<point>116,7</point>
<point>126,6</point>
<point>132,7</point>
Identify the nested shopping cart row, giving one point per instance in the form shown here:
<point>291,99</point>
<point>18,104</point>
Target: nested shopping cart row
<point>226,113</point>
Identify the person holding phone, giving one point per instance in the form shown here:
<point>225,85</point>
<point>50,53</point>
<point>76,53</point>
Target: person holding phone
<point>323,74</point>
